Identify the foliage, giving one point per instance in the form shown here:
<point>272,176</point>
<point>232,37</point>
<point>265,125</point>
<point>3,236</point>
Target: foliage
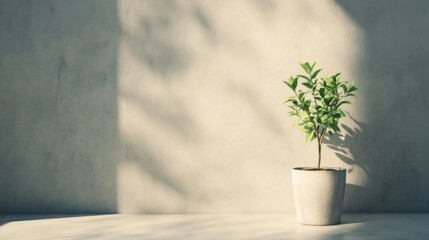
<point>317,102</point>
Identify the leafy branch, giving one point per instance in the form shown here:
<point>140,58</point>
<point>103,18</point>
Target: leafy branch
<point>317,103</point>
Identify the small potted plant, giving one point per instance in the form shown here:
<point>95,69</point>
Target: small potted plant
<point>316,103</point>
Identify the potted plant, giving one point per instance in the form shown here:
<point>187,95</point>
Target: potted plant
<point>316,103</point>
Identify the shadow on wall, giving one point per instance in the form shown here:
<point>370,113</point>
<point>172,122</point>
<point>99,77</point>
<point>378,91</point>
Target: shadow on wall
<point>351,147</point>
<point>168,160</point>
<point>163,53</point>
<point>58,106</point>
<point>156,43</point>
<point>392,145</point>
<point>59,140</point>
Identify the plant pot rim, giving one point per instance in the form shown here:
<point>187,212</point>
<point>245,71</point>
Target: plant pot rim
<point>313,169</point>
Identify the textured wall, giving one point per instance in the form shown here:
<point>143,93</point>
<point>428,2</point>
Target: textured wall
<point>176,106</point>
<point>392,145</point>
<point>58,106</point>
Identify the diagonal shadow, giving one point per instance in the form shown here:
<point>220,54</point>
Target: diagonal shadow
<point>351,147</point>
<point>392,146</point>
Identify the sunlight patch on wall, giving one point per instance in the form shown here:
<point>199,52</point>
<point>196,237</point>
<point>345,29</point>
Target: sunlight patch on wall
<point>201,118</point>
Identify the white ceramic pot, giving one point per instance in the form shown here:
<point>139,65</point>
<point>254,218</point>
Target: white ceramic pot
<point>319,195</point>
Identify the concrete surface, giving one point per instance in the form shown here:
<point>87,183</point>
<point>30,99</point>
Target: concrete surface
<point>247,226</point>
<point>59,142</point>
<point>176,106</point>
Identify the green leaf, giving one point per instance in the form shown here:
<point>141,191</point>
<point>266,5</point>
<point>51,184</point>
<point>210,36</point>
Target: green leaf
<point>309,124</point>
<point>295,83</point>
<point>310,136</point>
<point>312,66</point>
<point>315,73</point>
<point>336,116</point>
<point>308,85</point>
<point>344,87</point>
<point>287,84</point>
<point>328,82</point>
<point>307,129</point>
<point>322,92</point>
<point>302,114</point>
<point>305,77</point>
<point>309,67</point>
<point>343,102</point>
<point>334,81</point>
<point>341,112</point>
<point>292,100</point>
<point>352,89</point>
<point>334,126</point>
<point>288,99</point>
<point>306,67</point>
<point>291,113</point>
<point>301,95</point>
<point>292,83</point>
<point>328,100</point>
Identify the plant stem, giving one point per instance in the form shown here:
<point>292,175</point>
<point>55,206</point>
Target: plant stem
<point>319,144</point>
<point>316,128</point>
<point>320,152</point>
